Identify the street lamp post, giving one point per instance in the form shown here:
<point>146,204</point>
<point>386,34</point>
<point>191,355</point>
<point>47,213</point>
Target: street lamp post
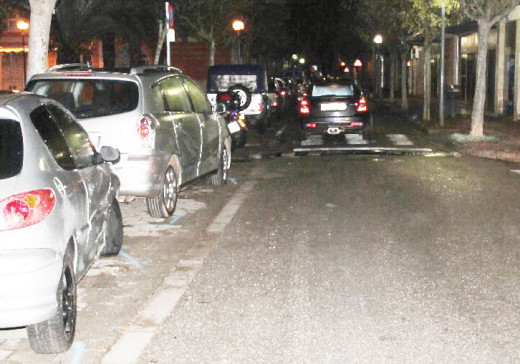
<point>238,26</point>
<point>378,39</point>
<point>23,27</point>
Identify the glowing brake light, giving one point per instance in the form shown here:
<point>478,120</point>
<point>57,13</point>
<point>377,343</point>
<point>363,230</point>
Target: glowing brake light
<point>304,107</point>
<point>361,105</point>
<point>311,125</point>
<point>283,93</point>
<point>26,209</point>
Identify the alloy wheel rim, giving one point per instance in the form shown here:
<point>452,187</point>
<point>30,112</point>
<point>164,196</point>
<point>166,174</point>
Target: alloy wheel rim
<point>170,190</point>
<point>67,302</point>
<point>224,164</point>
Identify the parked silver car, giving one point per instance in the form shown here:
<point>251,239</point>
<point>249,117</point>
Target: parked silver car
<point>160,120</point>
<point>58,213</point>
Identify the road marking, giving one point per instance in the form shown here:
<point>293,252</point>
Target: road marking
<point>136,337</point>
<point>399,139</point>
<point>280,132</point>
<point>355,139</point>
<point>78,347</point>
<point>229,211</point>
<point>313,140</point>
<point>131,259</point>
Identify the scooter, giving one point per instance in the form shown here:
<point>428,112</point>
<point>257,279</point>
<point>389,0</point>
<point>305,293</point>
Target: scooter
<point>235,120</point>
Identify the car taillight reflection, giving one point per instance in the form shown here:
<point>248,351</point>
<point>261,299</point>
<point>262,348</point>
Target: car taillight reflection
<point>26,209</point>
<point>361,105</point>
<point>304,107</point>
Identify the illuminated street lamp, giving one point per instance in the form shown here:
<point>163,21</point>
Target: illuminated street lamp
<point>378,39</point>
<point>238,26</point>
<point>23,27</point>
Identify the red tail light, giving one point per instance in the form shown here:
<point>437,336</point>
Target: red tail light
<point>305,107</point>
<point>274,104</point>
<point>356,124</point>
<point>311,125</point>
<point>283,93</point>
<point>361,105</point>
<point>144,127</point>
<point>26,209</point>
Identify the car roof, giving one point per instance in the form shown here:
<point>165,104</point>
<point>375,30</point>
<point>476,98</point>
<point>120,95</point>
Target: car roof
<point>78,70</point>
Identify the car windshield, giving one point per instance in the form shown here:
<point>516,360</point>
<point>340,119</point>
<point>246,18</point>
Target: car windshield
<point>221,83</point>
<point>11,148</point>
<point>87,98</point>
<point>333,90</point>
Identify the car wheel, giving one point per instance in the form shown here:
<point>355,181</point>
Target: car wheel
<point>220,177</point>
<point>243,94</point>
<point>56,334</point>
<point>163,205</point>
<point>114,238</point>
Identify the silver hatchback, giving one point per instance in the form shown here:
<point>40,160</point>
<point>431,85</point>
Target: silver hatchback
<point>58,213</point>
<point>160,120</point>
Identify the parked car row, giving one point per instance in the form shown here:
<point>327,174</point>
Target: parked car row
<point>67,150</point>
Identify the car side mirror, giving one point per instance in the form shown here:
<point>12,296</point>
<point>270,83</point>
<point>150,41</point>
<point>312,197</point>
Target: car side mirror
<point>110,154</point>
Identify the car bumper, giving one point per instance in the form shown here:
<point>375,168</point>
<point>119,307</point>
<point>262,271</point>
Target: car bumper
<point>332,126</point>
<point>28,283</point>
<point>140,175</point>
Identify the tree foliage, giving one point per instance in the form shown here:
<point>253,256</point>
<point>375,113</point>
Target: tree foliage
<point>79,21</point>
<point>322,31</point>
<point>210,20</point>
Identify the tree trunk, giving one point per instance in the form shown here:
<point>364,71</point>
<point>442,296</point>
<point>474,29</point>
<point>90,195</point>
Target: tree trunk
<point>427,97</point>
<point>392,75</point>
<point>404,77</point>
<point>479,100</point>
<point>41,16</point>
<point>212,50</point>
<point>109,50</point>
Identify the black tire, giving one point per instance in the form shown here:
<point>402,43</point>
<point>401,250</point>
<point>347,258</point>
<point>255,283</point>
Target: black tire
<point>164,205</point>
<point>244,95</point>
<point>238,140</point>
<point>114,231</point>
<point>56,334</point>
<point>220,177</point>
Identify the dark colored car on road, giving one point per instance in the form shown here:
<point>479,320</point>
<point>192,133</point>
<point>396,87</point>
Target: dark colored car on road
<point>333,108</point>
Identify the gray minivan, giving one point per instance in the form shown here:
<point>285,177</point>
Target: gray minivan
<point>161,121</point>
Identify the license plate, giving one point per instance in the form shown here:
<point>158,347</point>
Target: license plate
<point>333,106</point>
<point>233,127</point>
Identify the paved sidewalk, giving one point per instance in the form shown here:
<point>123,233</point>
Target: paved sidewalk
<point>502,134</point>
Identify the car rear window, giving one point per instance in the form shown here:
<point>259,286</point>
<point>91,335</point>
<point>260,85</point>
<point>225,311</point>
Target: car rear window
<point>87,98</point>
<point>221,83</point>
<point>11,148</point>
<point>332,90</point>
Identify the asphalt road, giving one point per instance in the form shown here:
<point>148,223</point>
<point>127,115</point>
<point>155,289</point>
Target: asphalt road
<point>314,259</point>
